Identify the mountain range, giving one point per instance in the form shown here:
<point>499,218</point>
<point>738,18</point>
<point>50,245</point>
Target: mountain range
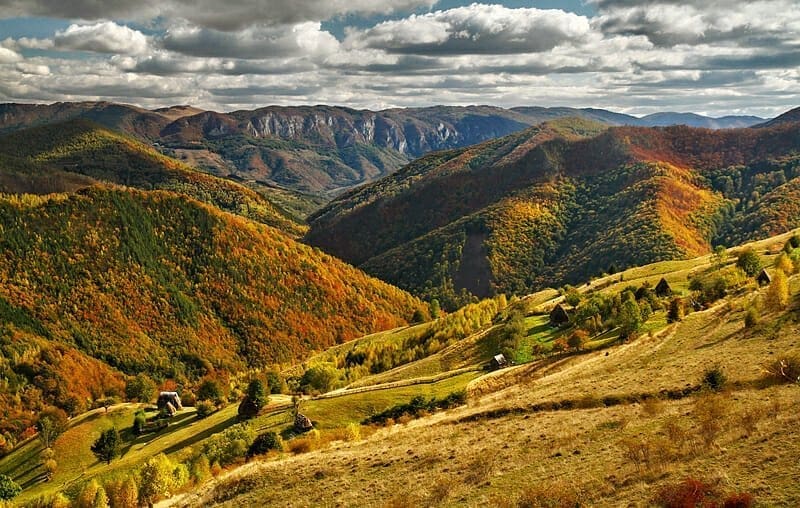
<point>323,150</point>
<point>563,201</point>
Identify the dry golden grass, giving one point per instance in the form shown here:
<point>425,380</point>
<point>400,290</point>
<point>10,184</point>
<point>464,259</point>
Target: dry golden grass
<point>609,442</point>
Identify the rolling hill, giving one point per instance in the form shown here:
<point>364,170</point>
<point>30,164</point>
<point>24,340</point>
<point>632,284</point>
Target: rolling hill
<point>110,281</point>
<point>323,150</point>
<point>76,153</point>
<point>685,408</point>
<point>561,202</point>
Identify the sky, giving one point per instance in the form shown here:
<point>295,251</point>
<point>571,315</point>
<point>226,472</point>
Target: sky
<point>713,57</point>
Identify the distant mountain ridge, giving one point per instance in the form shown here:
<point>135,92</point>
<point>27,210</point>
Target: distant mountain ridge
<point>320,149</point>
<point>563,201</point>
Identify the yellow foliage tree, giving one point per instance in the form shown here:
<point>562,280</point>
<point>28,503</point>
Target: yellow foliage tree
<point>784,263</point>
<point>778,291</point>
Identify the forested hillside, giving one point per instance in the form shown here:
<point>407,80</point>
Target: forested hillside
<point>562,202</point>
<point>65,156</point>
<point>111,281</point>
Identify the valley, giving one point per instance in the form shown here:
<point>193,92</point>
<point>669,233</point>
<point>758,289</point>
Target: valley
<point>571,313</point>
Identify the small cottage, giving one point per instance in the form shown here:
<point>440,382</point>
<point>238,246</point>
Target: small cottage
<point>559,315</point>
<point>171,398</point>
<point>169,409</point>
<point>763,278</point>
<point>302,423</point>
<point>663,289</point>
<point>498,362</point>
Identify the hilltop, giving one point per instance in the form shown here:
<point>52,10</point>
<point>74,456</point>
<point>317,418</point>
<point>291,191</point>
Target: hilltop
<point>562,202</point>
<point>67,156</point>
<point>319,149</point>
<point>110,282</point>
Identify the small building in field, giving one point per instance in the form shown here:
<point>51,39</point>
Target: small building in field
<point>663,288</point>
<point>498,362</point>
<point>169,409</point>
<point>559,315</point>
<point>763,278</point>
<point>302,423</point>
<point>171,398</point>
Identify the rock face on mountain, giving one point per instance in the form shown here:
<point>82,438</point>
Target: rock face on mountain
<point>561,202</point>
<point>318,149</point>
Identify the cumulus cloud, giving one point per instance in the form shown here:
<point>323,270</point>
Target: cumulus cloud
<point>228,15</point>
<point>9,56</point>
<point>475,29</point>
<point>103,37</point>
<point>667,23</point>
<point>256,42</point>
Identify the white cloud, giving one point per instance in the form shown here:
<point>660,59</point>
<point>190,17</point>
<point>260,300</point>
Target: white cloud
<point>475,29</point>
<point>32,68</point>
<point>229,15</point>
<point>255,42</point>
<point>103,37</point>
<point>9,56</point>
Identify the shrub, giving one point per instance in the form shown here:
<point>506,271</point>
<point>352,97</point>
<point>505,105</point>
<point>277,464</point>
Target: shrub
<point>254,401</point>
<point>205,408</point>
<point>752,317</point>
<point>710,411</point>
<point>9,489</point>
<point>689,492</point>
<point>714,379</point>
<point>577,339</point>
<point>353,432</point>
<point>229,446</point>
<point>52,422</point>
<point>785,369</point>
<point>264,443</point>
<point>321,378</point>
<point>139,422</point>
<point>140,388</point>
<point>158,479</point>
<point>200,468</point>
<point>550,495</point>
<point>676,310</point>
<point>123,493</point>
<point>749,262</point>
<point>87,494</point>
<point>210,389</point>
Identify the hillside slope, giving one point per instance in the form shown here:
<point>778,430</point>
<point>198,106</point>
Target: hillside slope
<point>562,202</point>
<point>637,422</point>
<point>60,157</point>
<point>110,281</point>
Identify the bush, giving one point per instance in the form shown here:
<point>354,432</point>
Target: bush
<point>210,389</point>
<point>320,378</point>
<point>690,492</point>
<point>229,446</point>
<point>139,422</point>
<point>141,388</point>
<point>205,408</point>
<point>714,379</point>
<point>752,317</point>
<point>749,262</point>
<point>551,495</point>
<point>9,489</point>
<point>710,412</point>
<point>264,443</point>
<point>785,369</point>
<point>160,478</point>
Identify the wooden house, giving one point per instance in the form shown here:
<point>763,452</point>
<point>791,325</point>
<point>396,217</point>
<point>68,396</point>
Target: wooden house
<point>559,315</point>
<point>763,278</point>
<point>498,362</point>
<point>663,288</point>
